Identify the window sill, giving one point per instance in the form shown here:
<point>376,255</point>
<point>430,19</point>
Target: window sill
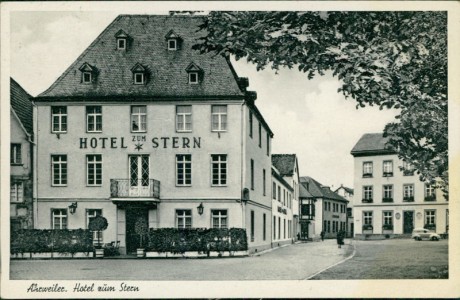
<point>94,185</point>
<point>93,131</point>
<point>183,185</point>
<point>143,131</point>
<point>219,185</point>
<point>17,164</point>
<point>59,132</point>
<point>183,131</point>
<point>219,131</point>
<point>59,185</point>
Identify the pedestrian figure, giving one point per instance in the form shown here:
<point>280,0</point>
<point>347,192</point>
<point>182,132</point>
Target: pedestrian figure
<point>340,238</point>
<point>322,236</point>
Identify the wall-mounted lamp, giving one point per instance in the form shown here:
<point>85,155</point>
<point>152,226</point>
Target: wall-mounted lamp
<point>73,207</point>
<point>200,208</point>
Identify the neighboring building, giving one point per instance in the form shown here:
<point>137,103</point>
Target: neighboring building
<point>288,167</point>
<point>21,158</point>
<point>307,214</point>
<point>282,207</point>
<point>330,212</point>
<point>347,193</point>
<point>142,126</point>
<point>390,199</point>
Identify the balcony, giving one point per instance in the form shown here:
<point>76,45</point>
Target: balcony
<point>143,188</point>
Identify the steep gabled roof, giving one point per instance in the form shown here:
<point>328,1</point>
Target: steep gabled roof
<point>317,190</point>
<point>372,144</point>
<point>303,193</point>
<point>22,106</point>
<point>148,47</point>
<point>284,163</point>
<point>347,189</point>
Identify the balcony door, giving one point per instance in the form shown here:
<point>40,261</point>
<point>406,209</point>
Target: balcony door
<point>139,170</point>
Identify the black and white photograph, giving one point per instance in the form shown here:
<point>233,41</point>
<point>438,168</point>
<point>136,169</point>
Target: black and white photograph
<point>230,149</point>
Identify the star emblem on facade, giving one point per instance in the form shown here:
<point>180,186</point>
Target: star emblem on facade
<point>138,146</point>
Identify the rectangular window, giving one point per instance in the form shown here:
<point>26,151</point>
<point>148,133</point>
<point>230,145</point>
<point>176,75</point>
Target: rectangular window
<point>387,193</point>
<point>274,228</point>
<point>367,218</point>
<point>90,214</point>
<point>16,154</point>
<point>264,182</point>
<point>139,78</point>
<point>388,220</point>
<point>138,118</point>
<point>59,219</point>
<point>387,168</point>
<point>284,228</point>
<point>367,194</point>
<point>193,78</point>
<point>121,44</point>
<point>183,169</point>
<point>184,118</point>
<point>86,77</point>
<point>250,124</point>
<point>408,169</point>
<point>260,135</point>
<point>252,226</point>
<point>219,169</point>
<point>274,191</point>
<point>430,192</point>
<point>94,169</point>
<point>17,192</point>
<point>94,119</point>
<point>328,226</point>
<point>268,144</point>
<point>264,227</point>
<point>279,228</point>
<point>219,117</point>
<point>252,174</point>
<point>430,219</point>
<point>367,169</point>
<point>279,193</point>
<point>219,218</point>
<point>59,119</point>
<point>184,218</point>
<point>59,170</point>
<point>172,44</point>
<point>324,226</point>
<point>408,192</point>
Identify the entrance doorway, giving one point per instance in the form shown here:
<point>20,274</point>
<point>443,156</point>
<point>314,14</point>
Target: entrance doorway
<point>304,230</point>
<point>408,222</point>
<point>132,215</point>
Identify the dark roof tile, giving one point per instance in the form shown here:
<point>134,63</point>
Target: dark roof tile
<point>147,47</point>
<point>371,143</point>
<point>284,163</point>
<point>22,106</point>
<point>317,190</point>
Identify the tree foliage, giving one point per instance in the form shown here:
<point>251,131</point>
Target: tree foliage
<point>393,60</point>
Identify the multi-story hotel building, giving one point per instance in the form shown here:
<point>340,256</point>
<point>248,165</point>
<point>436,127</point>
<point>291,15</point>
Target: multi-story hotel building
<point>282,206</point>
<point>287,166</point>
<point>389,198</point>
<point>330,209</point>
<point>142,126</point>
<point>21,158</point>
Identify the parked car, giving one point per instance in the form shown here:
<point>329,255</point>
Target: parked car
<point>421,233</point>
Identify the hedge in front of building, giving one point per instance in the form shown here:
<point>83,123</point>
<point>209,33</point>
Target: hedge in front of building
<point>49,240</point>
<point>202,240</point>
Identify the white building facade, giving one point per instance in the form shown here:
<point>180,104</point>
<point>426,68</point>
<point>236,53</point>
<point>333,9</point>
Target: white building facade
<point>389,197</point>
<point>283,231</point>
<point>142,126</point>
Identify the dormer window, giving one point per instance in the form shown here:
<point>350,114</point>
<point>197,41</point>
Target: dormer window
<point>122,40</point>
<point>173,40</point>
<point>139,74</point>
<point>193,78</point>
<point>88,73</point>
<point>195,74</point>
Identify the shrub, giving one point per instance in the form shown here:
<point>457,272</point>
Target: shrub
<point>197,239</point>
<point>47,240</point>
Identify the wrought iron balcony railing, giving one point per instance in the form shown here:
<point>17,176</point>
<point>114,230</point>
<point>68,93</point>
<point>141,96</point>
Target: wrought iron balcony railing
<point>142,188</point>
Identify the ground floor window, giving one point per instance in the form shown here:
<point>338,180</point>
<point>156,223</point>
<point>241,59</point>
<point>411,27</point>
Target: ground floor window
<point>219,218</point>
<point>430,218</point>
<point>274,228</point>
<point>59,218</point>
<point>90,214</point>
<point>279,228</point>
<point>184,218</point>
<point>328,226</point>
<point>17,192</point>
<point>264,227</point>
<point>388,220</point>
<point>367,220</point>
<point>252,225</point>
<point>284,228</point>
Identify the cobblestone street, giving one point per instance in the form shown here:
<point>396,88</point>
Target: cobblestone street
<point>292,262</point>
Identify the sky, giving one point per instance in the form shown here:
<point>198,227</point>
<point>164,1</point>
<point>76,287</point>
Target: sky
<point>308,117</point>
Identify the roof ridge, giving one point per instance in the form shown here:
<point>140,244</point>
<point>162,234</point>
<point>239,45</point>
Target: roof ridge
<point>93,43</point>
